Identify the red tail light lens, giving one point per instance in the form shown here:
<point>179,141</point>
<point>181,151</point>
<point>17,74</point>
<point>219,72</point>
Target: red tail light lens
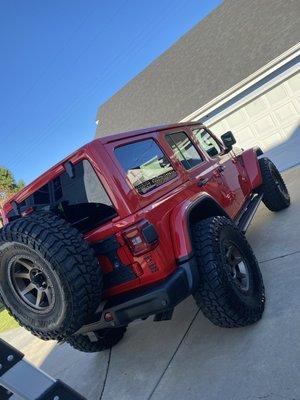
<point>141,238</point>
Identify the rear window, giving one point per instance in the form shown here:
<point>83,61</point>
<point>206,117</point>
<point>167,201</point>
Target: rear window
<point>146,166</point>
<point>80,199</point>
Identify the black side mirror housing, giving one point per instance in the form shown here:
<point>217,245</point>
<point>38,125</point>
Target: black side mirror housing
<point>229,140</point>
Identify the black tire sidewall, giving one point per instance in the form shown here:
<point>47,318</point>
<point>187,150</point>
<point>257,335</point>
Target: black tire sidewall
<point>239,298</point>
<point>217,295</point>
<point>43,321</point>
<point>68,260</point>
<point>273,198</point>
<point>273,169</point>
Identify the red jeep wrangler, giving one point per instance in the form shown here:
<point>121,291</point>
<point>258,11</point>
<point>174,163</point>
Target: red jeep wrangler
<point>129,226</point>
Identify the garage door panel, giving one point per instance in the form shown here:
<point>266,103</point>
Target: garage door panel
<point>248,144</point>
<point>265,124</point>
<point>294,83</point>
<point>271,141</point>
<point>237,118</point>
<point>246,137</point>
<point>296,102</point>
<point>244,134</point>
<point>263,135</point>
<point>267,120</point>
<point>256,106</point>
<point>286,112</point>
<point>276,95</point>
<point>219,128</point>
<point>292,129</point>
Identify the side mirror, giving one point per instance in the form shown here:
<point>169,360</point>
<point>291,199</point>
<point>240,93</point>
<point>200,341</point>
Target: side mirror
<point>229,140</point>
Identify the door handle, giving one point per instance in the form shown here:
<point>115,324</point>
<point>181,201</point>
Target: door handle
<point>203,182</point>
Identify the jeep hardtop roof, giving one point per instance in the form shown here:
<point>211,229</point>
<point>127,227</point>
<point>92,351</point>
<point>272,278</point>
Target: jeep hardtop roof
<point>79,154</point>
<point>128,134</point>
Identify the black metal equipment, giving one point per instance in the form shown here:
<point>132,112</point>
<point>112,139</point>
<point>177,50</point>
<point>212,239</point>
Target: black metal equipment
<point>20,380</point>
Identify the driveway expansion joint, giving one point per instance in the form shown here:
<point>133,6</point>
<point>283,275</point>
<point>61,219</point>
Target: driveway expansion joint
<point>106,375</point>
<point>173,355</point>
<point>281,256</point>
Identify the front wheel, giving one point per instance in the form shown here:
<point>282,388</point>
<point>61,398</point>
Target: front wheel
<point>231,290</point>
<point>275,194</point>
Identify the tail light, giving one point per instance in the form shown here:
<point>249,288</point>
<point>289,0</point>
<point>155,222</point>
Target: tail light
<point>141,237</point>
<point>3,217</point>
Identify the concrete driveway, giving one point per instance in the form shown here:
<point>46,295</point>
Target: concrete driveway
<point>188,357</point>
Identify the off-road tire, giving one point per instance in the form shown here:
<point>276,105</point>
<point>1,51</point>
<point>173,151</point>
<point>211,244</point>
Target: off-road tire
<point>107,338</point>
<point>219,298</point>
<point>275,194</point>
<point>65,257</point>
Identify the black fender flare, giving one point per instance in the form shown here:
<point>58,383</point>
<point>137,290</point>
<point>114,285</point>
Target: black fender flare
<point>180,221</point>
<point>258,151</point>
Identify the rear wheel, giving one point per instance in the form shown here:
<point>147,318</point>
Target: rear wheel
<point>275,194</point>
<point>231,291</point>
<point>50,280</point>
<point>104,339</point>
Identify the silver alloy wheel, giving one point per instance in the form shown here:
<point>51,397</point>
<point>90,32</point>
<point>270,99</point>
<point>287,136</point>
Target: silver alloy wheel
<point>31,284</point>
<point>238,266</point>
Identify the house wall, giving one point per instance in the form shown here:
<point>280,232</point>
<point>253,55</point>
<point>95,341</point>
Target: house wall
<point>229,45</point>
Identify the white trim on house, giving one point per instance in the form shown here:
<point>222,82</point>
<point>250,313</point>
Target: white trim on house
<point>247,83</point>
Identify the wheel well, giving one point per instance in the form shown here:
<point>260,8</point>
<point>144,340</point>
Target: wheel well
<point>205,208</point>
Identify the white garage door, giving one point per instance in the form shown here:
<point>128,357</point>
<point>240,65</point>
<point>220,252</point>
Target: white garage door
<point>268,120</point>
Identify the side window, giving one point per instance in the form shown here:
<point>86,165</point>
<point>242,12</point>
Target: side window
<point>184,149</point>
<point>207,142</point>
<point>146,166</point>
<point>84,187</point>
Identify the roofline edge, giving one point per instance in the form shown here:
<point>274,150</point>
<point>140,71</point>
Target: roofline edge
<point>218,101</point>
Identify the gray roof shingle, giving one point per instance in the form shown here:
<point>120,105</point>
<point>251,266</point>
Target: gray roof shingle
<point>231,43</point>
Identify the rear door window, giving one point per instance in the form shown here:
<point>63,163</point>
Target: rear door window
<point>145,164</point>
<point>184,149</point>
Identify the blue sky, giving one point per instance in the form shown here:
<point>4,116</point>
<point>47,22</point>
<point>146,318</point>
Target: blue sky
<point>61,59</point>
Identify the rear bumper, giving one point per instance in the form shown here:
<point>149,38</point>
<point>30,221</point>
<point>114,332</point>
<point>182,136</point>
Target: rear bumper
<point>142,303</point>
